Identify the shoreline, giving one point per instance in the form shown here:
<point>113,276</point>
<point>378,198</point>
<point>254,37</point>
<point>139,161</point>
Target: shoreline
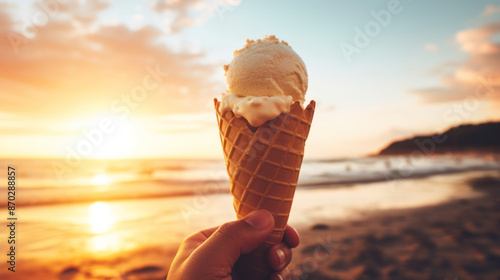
<point>392,173</point>
<point>159,188</point>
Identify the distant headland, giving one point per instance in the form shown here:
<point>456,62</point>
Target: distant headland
<point>469,138</point>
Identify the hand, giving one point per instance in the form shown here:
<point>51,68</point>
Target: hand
<point>211,253</point>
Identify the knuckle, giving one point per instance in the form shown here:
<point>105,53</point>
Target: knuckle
<point>229,230</point>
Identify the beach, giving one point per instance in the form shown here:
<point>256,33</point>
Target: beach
<point>443,225</point>
<point>458,239</point>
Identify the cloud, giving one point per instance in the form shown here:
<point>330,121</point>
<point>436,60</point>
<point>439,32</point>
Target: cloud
<point>439,94</point>
<point>66,71</point>
<point>431,47</point>
<point>476,41</point>
<point>479,74</point>
<point>490,10</point>
<point>184,13</point>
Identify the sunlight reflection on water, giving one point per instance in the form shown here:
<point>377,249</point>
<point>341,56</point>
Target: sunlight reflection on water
<point>100,218</point>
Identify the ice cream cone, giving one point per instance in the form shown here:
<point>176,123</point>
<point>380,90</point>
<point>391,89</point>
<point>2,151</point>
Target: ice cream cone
<point>263,165</point>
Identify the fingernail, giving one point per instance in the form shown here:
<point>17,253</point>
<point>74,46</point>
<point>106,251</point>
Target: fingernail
<point>281,256</point>
<point>258,219</point>
<point>280,277</point>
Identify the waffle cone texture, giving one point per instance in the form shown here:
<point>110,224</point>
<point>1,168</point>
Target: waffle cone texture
<point>263,165</point>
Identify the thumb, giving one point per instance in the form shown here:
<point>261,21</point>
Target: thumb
<point>235,238</point>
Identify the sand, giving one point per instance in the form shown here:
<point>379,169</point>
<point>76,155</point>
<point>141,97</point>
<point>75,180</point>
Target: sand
<point>454,240</point>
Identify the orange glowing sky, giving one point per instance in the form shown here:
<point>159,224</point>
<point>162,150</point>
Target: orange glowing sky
<point>109,79</point>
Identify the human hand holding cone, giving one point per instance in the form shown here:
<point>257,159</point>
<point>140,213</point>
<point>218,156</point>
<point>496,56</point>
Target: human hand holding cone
<point>263,129</point>
<point>263,167</point>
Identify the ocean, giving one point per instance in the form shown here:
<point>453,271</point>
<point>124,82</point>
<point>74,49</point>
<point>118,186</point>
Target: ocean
<point>41,181</point>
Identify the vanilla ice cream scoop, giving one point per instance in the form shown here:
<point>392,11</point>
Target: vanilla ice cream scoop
<point>264,79</point>
<point>267,68</point>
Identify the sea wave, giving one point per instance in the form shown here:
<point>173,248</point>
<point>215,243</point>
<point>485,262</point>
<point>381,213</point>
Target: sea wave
<point>94,180</point>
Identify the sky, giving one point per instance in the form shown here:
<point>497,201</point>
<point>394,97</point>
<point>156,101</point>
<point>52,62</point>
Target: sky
<point>136,79</point>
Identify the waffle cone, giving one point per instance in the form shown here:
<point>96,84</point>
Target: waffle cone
<point>263,165</point>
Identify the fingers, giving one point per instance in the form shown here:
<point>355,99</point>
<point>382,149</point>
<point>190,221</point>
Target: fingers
<point>232,239</point>
<point>279,256</point>
<point>291,237</point>
<point>208,232</point>
<point>194,240</point>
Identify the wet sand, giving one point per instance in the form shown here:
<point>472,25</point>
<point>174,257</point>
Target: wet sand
<point>454,240</point>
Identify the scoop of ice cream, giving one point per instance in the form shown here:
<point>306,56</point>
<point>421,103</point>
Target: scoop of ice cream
<point>267,67</point>
<point>264,79</point>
